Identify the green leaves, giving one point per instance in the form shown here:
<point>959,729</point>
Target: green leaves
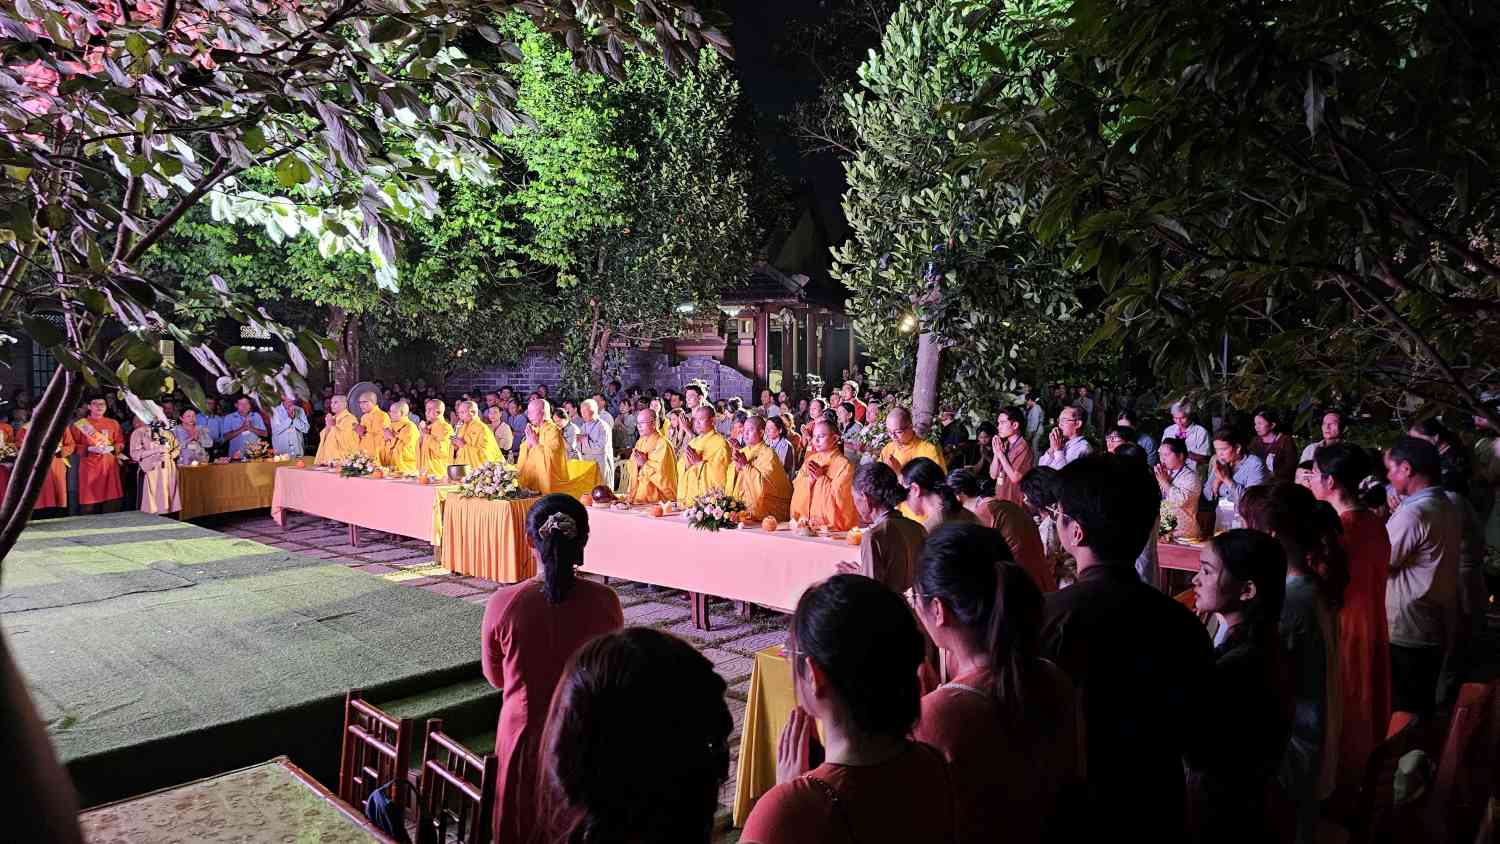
<point>292,171</point>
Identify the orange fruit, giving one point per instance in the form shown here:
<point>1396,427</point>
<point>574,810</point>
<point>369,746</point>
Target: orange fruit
<point>770,523</point>
<point>423,480</point>
<point>377,474</point>
<point>301,464</point>
<point>656,511</point>
<point>853,537</point>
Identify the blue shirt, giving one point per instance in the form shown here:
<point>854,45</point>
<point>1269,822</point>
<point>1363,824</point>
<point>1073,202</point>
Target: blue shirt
<point>1249,472</point>
<point>233,421</point>
<point>287,431</point>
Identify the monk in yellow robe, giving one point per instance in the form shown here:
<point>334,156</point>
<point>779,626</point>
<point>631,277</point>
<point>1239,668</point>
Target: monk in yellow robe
<point>705,458</point>
<point>435,448</point>
<point>339,438</point>
<point>905,446</point>
<point>824,491</point>
<point>543,462</point>
<point>757,477</point>
<point>398,449</point>
<point>653,463</point>
<point>474,441</point>
<point>372,424</point>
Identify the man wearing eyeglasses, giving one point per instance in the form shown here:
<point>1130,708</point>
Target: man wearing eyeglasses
<point>1066,442</point>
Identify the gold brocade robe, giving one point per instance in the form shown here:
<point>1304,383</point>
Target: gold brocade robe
<point>656,480</point>
<point>435,449</point>
<point>918,447</point>
<point>338,441</point>
<point>373,442</point>
<point>400,453</point>
<point>693,481</point>
<point>543,467</point>
<point>479,445</point>
<point>762,484</point>
<point>828,500</point>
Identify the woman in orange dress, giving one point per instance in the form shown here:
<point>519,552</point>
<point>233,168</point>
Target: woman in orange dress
<point>1343,478</point>
<point>55,489</point>
<point>530,632</point>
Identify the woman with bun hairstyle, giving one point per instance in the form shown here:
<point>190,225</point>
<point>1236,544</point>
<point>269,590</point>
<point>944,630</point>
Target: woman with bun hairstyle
<point>1008,722</point>
<point>854,647</point>
<point>530,631</point>
<point>1345,478</point>
<point>625,763</point>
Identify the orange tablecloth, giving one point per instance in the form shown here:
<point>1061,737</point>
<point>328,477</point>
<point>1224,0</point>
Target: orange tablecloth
<point>226,487</point>
<point>402,507</point>
<point>746,564</point>
<point>272,801</point>
<point>769,705</point>
<point>487,539</point>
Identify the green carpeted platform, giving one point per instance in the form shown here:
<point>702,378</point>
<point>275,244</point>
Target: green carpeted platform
<point>159,651</point>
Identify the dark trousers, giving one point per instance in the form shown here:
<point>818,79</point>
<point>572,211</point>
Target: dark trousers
<point>1414,679</point>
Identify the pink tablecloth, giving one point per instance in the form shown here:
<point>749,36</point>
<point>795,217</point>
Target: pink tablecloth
<point>746,564</point>
<point>403,507</point>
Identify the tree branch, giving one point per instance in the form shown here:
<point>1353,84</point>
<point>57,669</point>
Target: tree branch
<point>165,224</point>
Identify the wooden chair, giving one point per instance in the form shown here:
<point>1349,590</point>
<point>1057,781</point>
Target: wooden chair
<point>1455,804</point>
<point>376,751</point>
<point>455,788</point>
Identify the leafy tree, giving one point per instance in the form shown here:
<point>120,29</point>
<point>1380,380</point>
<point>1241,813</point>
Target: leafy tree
<point>1314,182</point>
<point>636,195</point>
<point>939,260</point>
<point>118,118</point>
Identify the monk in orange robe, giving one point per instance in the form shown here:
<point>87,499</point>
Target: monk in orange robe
<point>824,491</point>
<point>905,446</point>
<point>99,474</point>
<point>55,489</point>
<point>757,477</point>
<point>652,469</point>
<point>542,464</point>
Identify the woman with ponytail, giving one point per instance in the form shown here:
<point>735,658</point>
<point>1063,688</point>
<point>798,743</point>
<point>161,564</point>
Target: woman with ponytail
<point>1317,572</point>
<point>531,630</point>
<point>1008,721</point>
<point>1232,767</point>
<point>929,497</point>
<point>1344,478</point>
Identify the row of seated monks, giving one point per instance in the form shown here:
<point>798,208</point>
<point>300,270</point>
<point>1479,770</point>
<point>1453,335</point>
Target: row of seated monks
<point>822,493</point>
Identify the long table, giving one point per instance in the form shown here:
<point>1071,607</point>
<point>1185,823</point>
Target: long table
<point>745,564</point>
<point>403,507</point>
<point>272,801</point>
<point>1175,556</point>
<point>214,488</point>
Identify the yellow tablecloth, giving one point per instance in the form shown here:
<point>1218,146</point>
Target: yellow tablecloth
<point>770,704</point>
<point>226,487</point>
<point>482,538</point>
<point>583,476</point>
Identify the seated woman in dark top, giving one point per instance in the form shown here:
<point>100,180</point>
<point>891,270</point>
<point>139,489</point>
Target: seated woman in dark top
<point>1232,763</point>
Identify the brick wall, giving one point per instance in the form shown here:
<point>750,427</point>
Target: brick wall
<point>643,368</point>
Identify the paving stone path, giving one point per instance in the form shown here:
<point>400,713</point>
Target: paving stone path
<point>730,646</point>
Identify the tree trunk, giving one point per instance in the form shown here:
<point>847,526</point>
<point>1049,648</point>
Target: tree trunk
<point>37,780</point>
<point>597,356</point>
<point>924,391</point>
<point>343,327</point>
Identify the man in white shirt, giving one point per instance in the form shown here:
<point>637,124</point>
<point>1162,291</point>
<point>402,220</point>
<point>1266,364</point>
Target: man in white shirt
<point>1193,435</point>
<point>1066,442</point>
<point>1421,596</point>
<point>1333,431</point>
<point>288,425</point>
<point>1035,416</point>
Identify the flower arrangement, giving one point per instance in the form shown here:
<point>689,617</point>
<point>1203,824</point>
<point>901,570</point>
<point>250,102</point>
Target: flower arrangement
<point>7,451</point>
<point>1167,524</point>
<point>257,450</point>
<point>496,481</point>
<point>715,510</point>
<point>357,465</point>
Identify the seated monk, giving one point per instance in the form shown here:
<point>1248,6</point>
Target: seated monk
<point>824,491</point>
<point>705,458</point>
<point>435,448</point>
<point>757,476</point>
<point>398,446</point>
<point>653,464</point>
<point>905,446</point>
<point>372,424</point>
<point>543,462</point>
<point>474,441</point>
<point>339,438</point>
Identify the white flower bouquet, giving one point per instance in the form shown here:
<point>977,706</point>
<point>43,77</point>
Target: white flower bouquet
<point>715,510</point>
<point>1166,525</point>
<point>357,465</point>
<point>495,481</point>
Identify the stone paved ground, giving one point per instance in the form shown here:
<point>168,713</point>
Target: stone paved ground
<point>730,646</point>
